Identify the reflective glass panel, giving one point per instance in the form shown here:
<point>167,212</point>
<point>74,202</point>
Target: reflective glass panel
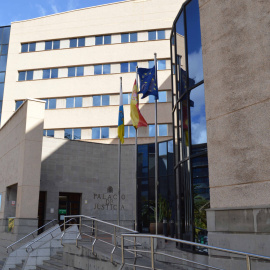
<point>125,131</point>
<point>46,73</point>
<point>80,71</point>
<point>162,96</point>
<point>152,35</point>
<point>106,69</point>
<point>46,103</point>
<point>96,100</point>
<point>70,102</point>
<point>125,99</point>
<point>104,132</point>
<point>52,103</point>
<point>96,133</point>
<point>162,130</point>
<point>1,91</point>
<point>2,77</point>
<point>5,36</point>
<point>194,46</point>
<point>44,132</point>
<point>133,66</point>
<point>68,133</point>
<point>71,72</point>
<point>151,130</point>
<point>124,67</point>
<point>133,37</point>
<point>48,45</point>
<point>54,73</point>
<point>24,47</point>
<point>161,64</point>
<point>105,100</point>
<point>132,131</point>
<point>124,38</point>
<point>4,49</point>
<point>151,63</point>
<point>56,44</point>
<point>73,43</point>
<point>81,42</point>
<point>32,47</point>
<point>98,69</point>
<point>107,39</point>
<point>3,63</point>
<point>185,127</point>
<point>142,160</point>
<point>78,102</point>
<point>50,133</point>
<point>77,134</point>
<point>29,75</point>
<point>161,34</point>
<point>197,116</point>
<point>152,98</point>
<point>99,40</point>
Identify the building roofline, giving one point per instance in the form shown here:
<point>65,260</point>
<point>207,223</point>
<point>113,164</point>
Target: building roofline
<point>74,10</point>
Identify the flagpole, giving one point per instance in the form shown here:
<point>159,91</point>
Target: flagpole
<point>136,161</point>
<point>119,167</point>
<point>156,152</point>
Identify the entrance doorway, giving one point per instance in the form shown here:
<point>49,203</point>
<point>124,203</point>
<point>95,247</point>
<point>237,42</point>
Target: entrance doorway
<point>69,204</point>
<point>41,210</point>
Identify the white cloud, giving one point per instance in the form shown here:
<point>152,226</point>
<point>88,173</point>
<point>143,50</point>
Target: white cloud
<point>42,11</point>
<point>196,65</point>
<point>71,5</point>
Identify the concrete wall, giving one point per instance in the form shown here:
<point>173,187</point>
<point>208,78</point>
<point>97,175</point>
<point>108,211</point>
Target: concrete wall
<point>20,157</point>
<point>235,50</point>
<point>89,169</point>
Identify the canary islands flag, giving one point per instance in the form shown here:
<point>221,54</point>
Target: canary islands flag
<point>148,82</point>
<point>121,129</point>
<point>135,114</point>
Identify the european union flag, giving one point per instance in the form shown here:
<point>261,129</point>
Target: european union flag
<point>148,82</point>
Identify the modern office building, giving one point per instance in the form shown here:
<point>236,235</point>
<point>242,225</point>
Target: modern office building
<point>214,76</point>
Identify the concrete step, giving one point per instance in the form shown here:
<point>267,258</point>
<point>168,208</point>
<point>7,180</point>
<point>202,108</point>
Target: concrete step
<point>55,263</point>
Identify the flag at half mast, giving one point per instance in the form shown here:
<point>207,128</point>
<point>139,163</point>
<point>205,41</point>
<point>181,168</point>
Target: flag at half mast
<point>135,114</point>
<point>121,129</point>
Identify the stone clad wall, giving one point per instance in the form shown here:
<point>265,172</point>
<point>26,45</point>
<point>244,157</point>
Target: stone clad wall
<point>92,170</point>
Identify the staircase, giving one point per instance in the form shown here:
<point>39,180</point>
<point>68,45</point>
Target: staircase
<point>55,263</point>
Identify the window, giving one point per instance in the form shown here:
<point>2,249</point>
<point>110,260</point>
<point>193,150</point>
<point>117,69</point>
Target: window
<point>4,49</point>
<point>2,77</point>
<point>100,40</point>
<point>73,134</point>
<point>154,35</point>
<point>75,71</point>
<point>128,67</point>
<point>107,39</point>
<point>76,42</point>
<point>56,44</point>
<point>126,99</point>
<point>130,132</point>
<point>102,133</point>
<point>26,75</point>
<point>50,73</point>
<point>48,45</point>
<point>81,42</point>
<point>28,47</point>
<point>162,97</point>
<point>101,100</point>
<point>102,69</point>
<point>74,102</point>
<point>50,103</point>
<point>162,130</point>
<point>131,37</point>
<point>161,64</point>
<point>18,104</point>
<point>48,132</point>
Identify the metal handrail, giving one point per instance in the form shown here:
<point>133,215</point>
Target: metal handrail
<point>32,233</point>
<point>152,252</point>
<point>50,232</point>
<point>95,229</point>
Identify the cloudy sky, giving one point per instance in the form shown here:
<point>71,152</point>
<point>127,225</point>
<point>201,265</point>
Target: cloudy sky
<point>17,10</point>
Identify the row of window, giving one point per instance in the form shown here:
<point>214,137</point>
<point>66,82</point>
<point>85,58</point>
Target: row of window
<point>98,40</point>
<point>103,132</point>
<point>80,70</point>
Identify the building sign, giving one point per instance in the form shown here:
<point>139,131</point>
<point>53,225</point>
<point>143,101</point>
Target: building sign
<point>62,211</point>
<point>108,201</point>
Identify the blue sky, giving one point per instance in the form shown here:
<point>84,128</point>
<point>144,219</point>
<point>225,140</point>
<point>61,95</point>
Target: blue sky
<point>17,10</point>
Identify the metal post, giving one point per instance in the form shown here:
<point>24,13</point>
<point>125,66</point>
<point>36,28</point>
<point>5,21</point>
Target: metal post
<point>156,154</point>
<point>136,160</point>
<point>122,249</point>
<point>248,263</point>
<point>152,253</point>
<point>119,163</point>
<point>64,223</point>
<point>114,235</point>
<point>80,225</point>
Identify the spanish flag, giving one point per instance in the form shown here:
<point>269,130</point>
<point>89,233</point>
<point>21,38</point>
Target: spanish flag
<point>121,129</point>
<point>135,114</point>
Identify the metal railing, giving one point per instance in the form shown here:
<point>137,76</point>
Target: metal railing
<point>32,233</point>
<point>100,231</point>
<point>46,234</point>
<point>152,253</point>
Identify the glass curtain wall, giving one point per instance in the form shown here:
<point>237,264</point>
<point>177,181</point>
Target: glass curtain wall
<point>190,136</point>
<point>4,40</point>
<point>146,183</point>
